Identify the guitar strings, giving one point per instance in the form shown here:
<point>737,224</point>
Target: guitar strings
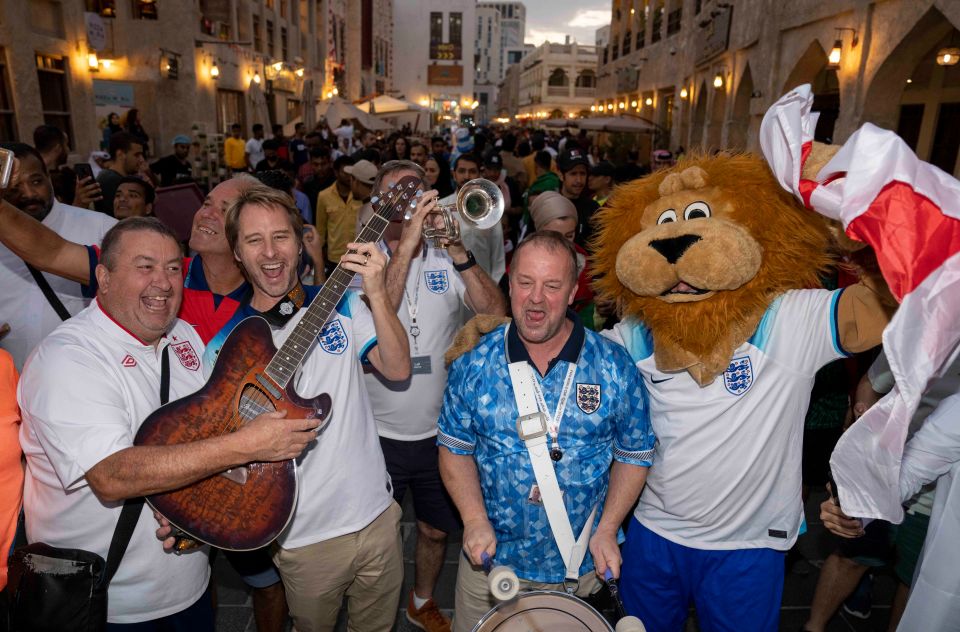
<point>261,400</point>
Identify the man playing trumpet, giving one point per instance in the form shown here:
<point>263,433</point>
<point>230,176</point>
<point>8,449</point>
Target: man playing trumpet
<point>428,286</point>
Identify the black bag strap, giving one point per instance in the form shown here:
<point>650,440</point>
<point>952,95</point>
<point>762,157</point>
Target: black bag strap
<point>48,292</point>
<point>133,506</point>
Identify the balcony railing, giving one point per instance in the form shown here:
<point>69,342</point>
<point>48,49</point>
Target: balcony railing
<point>558,91</point>
<point>585,92</point>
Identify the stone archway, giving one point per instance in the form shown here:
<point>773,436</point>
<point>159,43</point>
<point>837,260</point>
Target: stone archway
<point>738,132</point>
<point>699,116</point>
<point>921,99</point>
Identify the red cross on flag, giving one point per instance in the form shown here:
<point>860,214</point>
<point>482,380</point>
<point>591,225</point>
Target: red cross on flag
<point>909,212</point>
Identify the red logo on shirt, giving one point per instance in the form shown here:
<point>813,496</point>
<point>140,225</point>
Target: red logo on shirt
<point>187,356</point>
<point>128,361</point>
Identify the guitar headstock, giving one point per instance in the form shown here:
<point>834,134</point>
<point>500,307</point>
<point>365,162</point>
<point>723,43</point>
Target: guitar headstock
<point>400,196</point>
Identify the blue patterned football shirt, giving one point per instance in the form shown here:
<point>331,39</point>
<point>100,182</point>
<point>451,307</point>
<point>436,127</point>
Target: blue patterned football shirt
<point>606,418</point>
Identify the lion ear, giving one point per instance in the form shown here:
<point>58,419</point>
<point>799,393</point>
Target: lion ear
<point>670,185</point>
<point>690,178</point>
<point>694,178</point>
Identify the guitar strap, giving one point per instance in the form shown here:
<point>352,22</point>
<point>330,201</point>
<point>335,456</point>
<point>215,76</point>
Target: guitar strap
<point>48,292</point>
<point>281,313</point>
<point>133,507</point>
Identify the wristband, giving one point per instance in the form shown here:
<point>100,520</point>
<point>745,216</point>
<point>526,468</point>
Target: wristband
<point>466,265</point>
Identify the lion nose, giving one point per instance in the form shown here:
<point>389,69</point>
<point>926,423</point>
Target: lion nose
<point>673,248</point>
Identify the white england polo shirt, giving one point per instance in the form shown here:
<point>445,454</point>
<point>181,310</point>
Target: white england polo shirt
<point>726,473</point>
<point>343,480</point>
<point>408,410</point>
<point>84,393</point>
<point>30,316</point>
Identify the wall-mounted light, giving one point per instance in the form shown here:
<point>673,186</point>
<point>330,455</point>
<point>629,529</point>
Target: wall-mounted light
<point>425,102</point>
<point>106,63</point>
<point>475,105</point>
<point>718,81</point>
<point>214,71</point>
<point>299,72</point>
<point>93,64</point>
<point>833,58</point>
<point>633,103</point>
<point>277,66</point>
<point>948,56</point>
<point>683,93</point>
<point>623,105</point>
<point>609,106</point>
<point>593,108</point>
<point>649,101</point>
<point>256,77</point>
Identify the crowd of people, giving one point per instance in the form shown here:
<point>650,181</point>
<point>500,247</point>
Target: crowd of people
<point>105,306</point>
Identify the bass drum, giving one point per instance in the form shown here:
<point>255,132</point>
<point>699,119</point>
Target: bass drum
<point>543,611</point>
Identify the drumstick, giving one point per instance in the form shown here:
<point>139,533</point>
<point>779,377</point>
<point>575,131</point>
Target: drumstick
<point>503,582</point>
<point>624,623</point>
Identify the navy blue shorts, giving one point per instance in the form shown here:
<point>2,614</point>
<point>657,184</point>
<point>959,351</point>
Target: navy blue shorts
<point>733,590</point>
<point>255,568</point>
<point>415,465</point>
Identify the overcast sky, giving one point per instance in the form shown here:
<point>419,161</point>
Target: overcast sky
<point>551,20</point>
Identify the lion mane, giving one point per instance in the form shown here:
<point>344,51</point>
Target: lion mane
<point>794,243</point>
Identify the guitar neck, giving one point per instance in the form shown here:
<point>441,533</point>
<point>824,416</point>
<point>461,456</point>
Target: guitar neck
<point>292,353</point>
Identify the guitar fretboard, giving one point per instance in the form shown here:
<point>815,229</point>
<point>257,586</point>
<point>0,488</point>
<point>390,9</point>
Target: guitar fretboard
<point>291,354</point>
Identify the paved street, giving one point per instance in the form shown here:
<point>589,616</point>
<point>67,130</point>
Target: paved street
<point>235,612</point>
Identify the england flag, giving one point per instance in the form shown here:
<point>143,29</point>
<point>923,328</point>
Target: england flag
<point>909,212</point>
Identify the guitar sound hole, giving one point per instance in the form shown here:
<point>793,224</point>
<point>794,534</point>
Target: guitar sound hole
<point>254,402</point>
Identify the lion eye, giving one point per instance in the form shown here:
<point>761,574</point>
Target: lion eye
<point>697,210</point>
<point>668,215</point>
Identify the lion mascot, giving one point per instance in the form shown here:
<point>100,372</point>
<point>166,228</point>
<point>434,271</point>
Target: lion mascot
<point>713,267</point>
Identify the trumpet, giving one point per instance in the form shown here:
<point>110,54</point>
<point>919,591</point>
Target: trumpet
<point>479,203</point>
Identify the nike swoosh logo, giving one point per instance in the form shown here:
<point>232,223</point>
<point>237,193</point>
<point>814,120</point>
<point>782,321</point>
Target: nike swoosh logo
<point>655,381</point>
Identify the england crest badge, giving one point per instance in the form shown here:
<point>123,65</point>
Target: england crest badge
<point>187,356</point>
<point>333,339</point>
<point>588,397</point>
<point>436,280</point>
<point>738,377</point>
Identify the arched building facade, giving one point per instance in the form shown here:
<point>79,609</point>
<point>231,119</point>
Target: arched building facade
<point>719,65</point>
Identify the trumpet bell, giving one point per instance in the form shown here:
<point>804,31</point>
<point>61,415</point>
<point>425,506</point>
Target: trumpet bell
<point>479,204</point>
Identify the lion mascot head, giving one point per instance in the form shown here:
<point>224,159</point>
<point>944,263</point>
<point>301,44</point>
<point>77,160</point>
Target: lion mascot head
<point>698,252</point>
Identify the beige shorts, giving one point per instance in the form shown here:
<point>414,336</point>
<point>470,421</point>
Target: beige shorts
<point>365,566</point>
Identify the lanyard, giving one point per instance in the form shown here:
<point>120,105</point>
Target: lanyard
<point>413,306</point>
<point>553,424</point>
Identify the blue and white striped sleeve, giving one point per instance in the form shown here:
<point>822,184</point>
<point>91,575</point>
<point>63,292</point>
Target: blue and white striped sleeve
<point>455,429</point>
<point>633,439</point>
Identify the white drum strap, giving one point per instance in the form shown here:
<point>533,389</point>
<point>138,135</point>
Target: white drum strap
<point>532,428</point>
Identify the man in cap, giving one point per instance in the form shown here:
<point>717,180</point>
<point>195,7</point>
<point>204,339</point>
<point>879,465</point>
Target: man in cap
<point>175,168</point>
<point>600,181</point>
<point>573,176</point>
<point>362,175</point>
<point>493,171</point>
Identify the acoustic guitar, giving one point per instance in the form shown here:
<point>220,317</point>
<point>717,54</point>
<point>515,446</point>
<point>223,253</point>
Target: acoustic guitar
<point>246,508</point>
